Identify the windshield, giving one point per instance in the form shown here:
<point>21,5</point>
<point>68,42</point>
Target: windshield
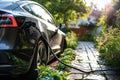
<point>40,12</point>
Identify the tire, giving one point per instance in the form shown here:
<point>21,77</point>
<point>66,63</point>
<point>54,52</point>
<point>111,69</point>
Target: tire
<point>40,58</point>
<point>42,54</point>
<point>63,45</point>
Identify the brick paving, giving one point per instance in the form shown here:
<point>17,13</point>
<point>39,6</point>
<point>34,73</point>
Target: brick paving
<point>88,59</point>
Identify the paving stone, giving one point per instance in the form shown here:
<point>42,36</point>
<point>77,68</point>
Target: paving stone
<point>75,76</point>
<point>95,66</point>
<point>82,66</point>
<point>75,71</point>
<point>94,77</point>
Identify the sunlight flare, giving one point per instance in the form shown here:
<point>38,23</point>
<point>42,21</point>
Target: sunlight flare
<point>100,4</point>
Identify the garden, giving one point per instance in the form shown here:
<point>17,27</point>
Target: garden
<point>105,33</point>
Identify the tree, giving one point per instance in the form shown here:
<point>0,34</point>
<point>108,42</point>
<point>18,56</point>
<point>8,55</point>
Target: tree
<point>64,10</point>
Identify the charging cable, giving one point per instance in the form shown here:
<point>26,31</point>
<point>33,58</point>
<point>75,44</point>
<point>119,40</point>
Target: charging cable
<point>87,72</point>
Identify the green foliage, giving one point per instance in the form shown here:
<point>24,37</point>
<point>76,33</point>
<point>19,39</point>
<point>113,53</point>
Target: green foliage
<point>87,37</point>
<point>72,40</point>
<point>48,73</point>
<point>67,56</point>
<point>69,52</point>
<point>108,44</point>
<point>64,10</point>
<point>116,23</point>
<point>102,21</point>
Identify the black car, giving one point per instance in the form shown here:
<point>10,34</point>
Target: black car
<point>26,30</point>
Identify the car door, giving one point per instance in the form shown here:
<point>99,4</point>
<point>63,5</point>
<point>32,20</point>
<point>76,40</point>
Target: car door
<point>46,20</point>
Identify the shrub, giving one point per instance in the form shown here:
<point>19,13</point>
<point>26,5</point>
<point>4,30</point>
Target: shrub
<point>108,44</point>
<point>72,40</point>
<point>67,56</point>
<point>48,73</point>
<point>87,37</point>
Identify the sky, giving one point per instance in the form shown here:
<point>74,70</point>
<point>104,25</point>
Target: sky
<point>99,3</point>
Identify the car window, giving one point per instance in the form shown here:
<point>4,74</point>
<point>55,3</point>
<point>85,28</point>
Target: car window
<point>39,11</point>
<point>28,9</point>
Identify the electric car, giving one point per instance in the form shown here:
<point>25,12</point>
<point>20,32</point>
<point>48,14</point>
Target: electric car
<point>28,33</point>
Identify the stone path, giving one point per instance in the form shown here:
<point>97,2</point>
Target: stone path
<point>88,59</point>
